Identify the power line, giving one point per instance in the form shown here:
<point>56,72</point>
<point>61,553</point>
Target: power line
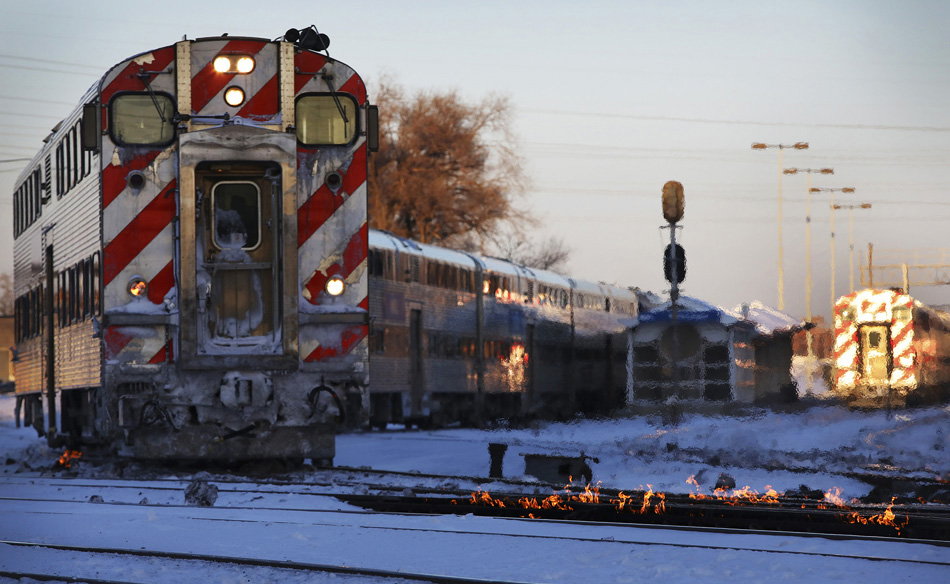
<point>34,100</point>
<point>738,122</point>
<point>53,62</point>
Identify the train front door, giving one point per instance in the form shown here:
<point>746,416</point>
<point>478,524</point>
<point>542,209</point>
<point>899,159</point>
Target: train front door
<point>237,249</point>
<point>875,357</point>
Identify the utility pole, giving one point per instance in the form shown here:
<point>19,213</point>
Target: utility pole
<point>832,191</point>
<point>851,209</point>
<point>808,280</point>
<point>781,269</point>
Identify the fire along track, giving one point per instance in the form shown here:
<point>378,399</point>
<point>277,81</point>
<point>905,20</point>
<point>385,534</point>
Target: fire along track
<point>34,529</point>
<point>740,510</point>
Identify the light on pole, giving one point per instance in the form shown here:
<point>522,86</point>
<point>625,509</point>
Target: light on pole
<point>851,209</point>
<point>781,271</point>
<point>808,280</point>
<point>832,191</point>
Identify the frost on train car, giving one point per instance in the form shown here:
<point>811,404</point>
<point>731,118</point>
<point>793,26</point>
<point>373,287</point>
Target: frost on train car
<point>462,338</point>
<point>890,350</point>
<point>190,253</point>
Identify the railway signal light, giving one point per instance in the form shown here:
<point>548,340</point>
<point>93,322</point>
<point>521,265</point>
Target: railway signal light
<point>679,254</point>
<point>673,201</point>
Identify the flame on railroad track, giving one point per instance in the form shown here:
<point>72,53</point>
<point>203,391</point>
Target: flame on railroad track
<point>66,460</point>
<point>650,503</point>
<point>655,503</point>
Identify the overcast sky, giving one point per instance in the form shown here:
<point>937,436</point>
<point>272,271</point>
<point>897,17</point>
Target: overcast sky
<point>613,99</point>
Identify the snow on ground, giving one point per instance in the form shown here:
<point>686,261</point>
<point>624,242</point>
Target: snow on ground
<point>821,447</point>
<point>817,447</point>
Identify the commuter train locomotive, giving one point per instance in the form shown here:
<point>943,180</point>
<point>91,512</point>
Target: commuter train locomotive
<point>190,253</point>
<point>458,337</point>
<point>890,350</point>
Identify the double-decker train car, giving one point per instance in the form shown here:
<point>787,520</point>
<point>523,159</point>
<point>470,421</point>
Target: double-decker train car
<point>458,337</point>
<point>190,253</point>
<point>890,350</point>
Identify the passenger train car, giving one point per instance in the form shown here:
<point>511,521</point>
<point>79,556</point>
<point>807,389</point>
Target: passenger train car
<point>890,350</point>
<point>190,253</point>
<point>458,337</point>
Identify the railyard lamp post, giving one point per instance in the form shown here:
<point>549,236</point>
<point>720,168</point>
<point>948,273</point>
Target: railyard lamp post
<point>851,209</point>
<point>781,272</point>
<point>808,281</point>
<point>832,191</point>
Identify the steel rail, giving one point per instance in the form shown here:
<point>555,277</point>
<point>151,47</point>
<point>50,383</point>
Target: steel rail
<point>261,563</point>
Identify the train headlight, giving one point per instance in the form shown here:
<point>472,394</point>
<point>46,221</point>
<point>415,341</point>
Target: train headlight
<point>245,65</point>
<point>234,96</point>
<point>222,64</point>
<point>240,64</point>
<point>138,287</point>
<point>335,286</point>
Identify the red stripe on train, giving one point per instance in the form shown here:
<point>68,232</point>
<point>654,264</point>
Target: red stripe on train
<point>130,242</point>
<point>308,64</point>
<point>263,105</point>
<point>354,86</point>
<point>114,177</point>
<point>163,281</point>
<point>350,337</point>
<point>128,79</point>
<point>207,83</point>
<point>322,204</point>
<point>353,255</point>
<point>167,353</point>
<point>114,341</point>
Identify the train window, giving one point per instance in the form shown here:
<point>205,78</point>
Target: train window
<point>237,214</point>
<point>60,163</point>
<point>901,314</point>
<point>377,340</point>
<point>142,119</point>
<point>96,285</point>
<point>326,119</point>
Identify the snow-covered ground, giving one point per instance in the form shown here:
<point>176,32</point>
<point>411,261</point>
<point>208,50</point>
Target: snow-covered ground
<point>820,447</point>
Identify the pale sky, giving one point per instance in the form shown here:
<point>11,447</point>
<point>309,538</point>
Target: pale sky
<point>612,99</point>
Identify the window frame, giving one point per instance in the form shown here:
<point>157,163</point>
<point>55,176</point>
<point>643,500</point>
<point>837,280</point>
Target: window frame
<point>357,126</point>
<point>111,118</point>
<point>214,213</point>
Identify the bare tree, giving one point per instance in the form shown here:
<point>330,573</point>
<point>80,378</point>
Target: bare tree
<point>513,245</point>
<point>6,294</point>
<point>445,168</point>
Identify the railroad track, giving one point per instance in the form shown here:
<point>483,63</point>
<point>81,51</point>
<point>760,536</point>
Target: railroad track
<point>800,513</point>
<point>334,528</point>
<point>187,564</point>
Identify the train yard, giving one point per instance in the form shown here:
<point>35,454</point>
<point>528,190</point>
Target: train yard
<point>854,494</point>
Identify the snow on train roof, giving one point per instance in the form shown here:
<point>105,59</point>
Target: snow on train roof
<point>385,240</point>
<point>382,239</point>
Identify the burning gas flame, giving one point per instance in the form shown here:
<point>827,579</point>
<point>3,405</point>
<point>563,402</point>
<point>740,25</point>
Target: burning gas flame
<point>655,502</point>
<point>66,460</point>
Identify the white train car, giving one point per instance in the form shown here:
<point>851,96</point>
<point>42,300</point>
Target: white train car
<point>462,338</point>
<point>190,253</point>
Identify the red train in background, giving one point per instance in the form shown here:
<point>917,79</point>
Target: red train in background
<point>890,350</point>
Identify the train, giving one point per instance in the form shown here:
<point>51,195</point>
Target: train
<point>196,279</point>
<point>890,350</point>
<point>190,251</point>
<point>459,337</point>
